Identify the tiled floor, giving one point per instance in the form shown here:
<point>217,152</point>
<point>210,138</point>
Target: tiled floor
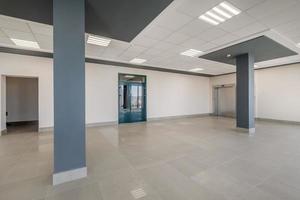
<point>187,159</point>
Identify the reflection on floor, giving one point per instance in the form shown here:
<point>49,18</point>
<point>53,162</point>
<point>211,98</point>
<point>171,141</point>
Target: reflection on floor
<point>22,127</point>
<point>196,158</point>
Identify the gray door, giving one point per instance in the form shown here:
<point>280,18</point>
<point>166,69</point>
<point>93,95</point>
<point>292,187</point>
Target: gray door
<point>225,101</point>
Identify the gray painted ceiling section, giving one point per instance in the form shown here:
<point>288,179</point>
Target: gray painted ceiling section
<point>263,49</point>
<point>121,20</point>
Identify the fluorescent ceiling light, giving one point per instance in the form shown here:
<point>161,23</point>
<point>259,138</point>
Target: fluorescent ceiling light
<point>220,13</point>
<point>98,41</point>
<point>196,70</point>
<point>138,61</point>
<point>191,53</point>
<point>213,15</point>
<point>209,20</point>
<point>298,45</point>
<point>25,43</point>
<point>230,8</point>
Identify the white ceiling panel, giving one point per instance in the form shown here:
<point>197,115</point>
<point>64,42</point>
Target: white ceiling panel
<point>194,43</point>
<point>269,7</point>
<point>44,41</point>
<point>145,41</point>
<point>212,34</point>
<point>157,32</point>
<point>226,39</point>
<point>38,28</point>
<point>194,28</point>
<point>237,22</point>
<point>93,50</point>
<point>250,30</point>
<point>5,41</point>
<point>18,34</point>
<point>173,20</point>
<point>245,4</point>
<point>2,34</point>
<point>177,38</point>
<point>14,24</point>
<point>196,8</point>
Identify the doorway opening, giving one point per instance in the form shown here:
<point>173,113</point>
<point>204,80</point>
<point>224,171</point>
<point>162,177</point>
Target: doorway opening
<point>132,98</point>
<point>21,105</point>
<point>224,100</point>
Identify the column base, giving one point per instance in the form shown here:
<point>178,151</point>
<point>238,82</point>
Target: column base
<point>251,131</point>
<point>71,175</point>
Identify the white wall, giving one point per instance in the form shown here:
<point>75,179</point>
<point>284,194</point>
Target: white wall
<point>3,103</point>
<point>277,92</point>
<point>168,94</point>
<point>21,99</point>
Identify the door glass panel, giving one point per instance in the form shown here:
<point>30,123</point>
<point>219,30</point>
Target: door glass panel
<point>136,98</point>
<point>132,98</point>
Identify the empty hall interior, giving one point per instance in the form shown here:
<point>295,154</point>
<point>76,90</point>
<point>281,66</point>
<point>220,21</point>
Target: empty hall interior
<point>150,100</point>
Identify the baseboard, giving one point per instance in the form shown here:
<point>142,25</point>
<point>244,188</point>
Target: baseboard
<point>250,131</point>
<point>178,117</point>
<point>90,125</point>
<point>67,176</point>
<point>4,131</point>
<point>278,121</point>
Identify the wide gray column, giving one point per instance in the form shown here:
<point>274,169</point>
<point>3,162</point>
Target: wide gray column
<point>245,92</point>
<point>69,90</point>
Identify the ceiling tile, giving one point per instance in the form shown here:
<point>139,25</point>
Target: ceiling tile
<point>14,24</point>
<point>93,50</point>
<point>144,41</point>
<point>196,8</point>
<point>18,34</point>
<point>211,34</point>
<point>45,42</point>
<point>250,30</point>
<point>41,29</point>
<point>207,46</point>
<point>5,41</point>
<point>237,22</point>
<point>173,20</point>
<point>245,4</point>
<point>269,7</point>
<point>132,52</point>
<point>194,43</point>
<point>2,34</point>
<point>164,46</point>
<point>284,16</point>
<point>177,38</point>
<point>157,32</point>
<point>194,28</point>
<point>226,39</point>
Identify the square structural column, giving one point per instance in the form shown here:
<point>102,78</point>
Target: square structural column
<point>245,93</point>
<point>69,90</point>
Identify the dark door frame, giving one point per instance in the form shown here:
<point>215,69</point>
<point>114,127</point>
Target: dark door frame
<point>145,93</point>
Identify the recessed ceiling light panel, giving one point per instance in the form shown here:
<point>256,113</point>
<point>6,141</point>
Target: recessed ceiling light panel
<point>220,13</point>
<point>196,69</point>
<point>191,53</point>
<point>138,61</point>
<point>98,41</point>
<point>25,43</point>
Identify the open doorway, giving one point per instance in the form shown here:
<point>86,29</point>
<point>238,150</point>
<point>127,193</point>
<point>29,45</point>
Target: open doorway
<point>21,104</point>
<point>224,100</point>
<point>132,98</point>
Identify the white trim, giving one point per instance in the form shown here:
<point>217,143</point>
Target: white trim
<point>70,175</point>
<point>251,131</point>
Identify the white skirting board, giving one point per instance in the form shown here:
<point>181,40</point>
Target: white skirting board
<point>251,131</point>
<point>71,175</point>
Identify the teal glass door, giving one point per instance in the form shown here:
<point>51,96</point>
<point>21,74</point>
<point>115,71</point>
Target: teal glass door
<point>132,101</point>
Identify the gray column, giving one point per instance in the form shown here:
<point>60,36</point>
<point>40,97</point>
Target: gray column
<point>245,92</point>
<point>69,90</point>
